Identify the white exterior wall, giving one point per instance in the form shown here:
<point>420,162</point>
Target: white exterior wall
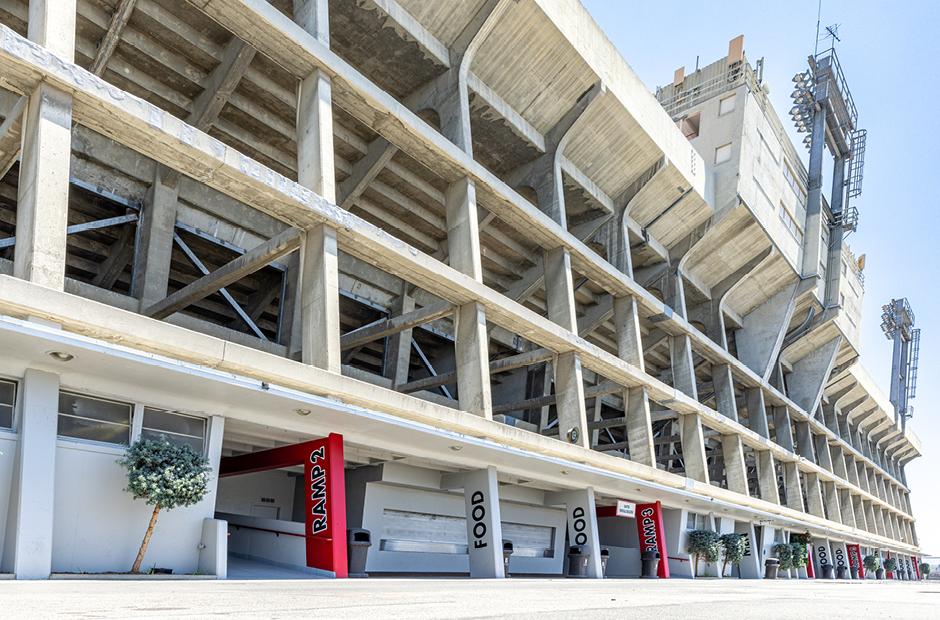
<point>98,526</point>
<point>8,443</point>
<point>241,495</point>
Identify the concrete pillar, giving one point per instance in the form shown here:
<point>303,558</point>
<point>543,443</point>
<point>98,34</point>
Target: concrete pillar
<point>32,502</point>
<point>831,498</point>
<point>471,344</point>
<point>398,345</point>
<point>757,412</point>
<point>861,519</point>
<point>823,456</point>
<point>155,238</point>
<point>569,386</point>
<point>750,565</point>
<point>636,400</point>
<point>840,557</point>
<point>582,524</point>
<point>732,449</point>
<point>319,299</point>
<point>484,526</point>
<point>791,477</point>
<point>804,441</point>
<point>724,391</point>
<point>43,190</point>
<point>846,509</point>
<point>767,476</point>
<point>822,556</point>
<point>814,500</point>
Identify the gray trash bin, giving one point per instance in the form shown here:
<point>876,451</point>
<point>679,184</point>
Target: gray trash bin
<point>357,545</point>
<point>771,567</point>
<point>507,551</point>
<point>577,561</point>
<point>649,564</point>
<point>605,556</point>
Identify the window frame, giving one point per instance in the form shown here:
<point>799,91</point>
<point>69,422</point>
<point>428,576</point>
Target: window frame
<point>141,410</point>
<point>130,421</point>
<point>16,394</point>
<point>718,149</point>
<point>733,98</point>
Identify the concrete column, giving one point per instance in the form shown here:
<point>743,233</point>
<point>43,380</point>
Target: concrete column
<point>319,299</point>
<point>43,191</point>
<point>767,476</point>
<point>32,501</point>
<point>814,500</point>
<point>692,435</point>
<point>822,556</point>
<point>757,412</point>
<point>750,565</point>
<point>735,468</point>
<point>471,344</point>
<point>791,477</point>
<point>569,386</point>
<point>804,441</point>
<point>398,345</point>
<point>473,372</point>
<point>724,391</point>
<point>155,240</point>
<point>840,557</point>
<point>783,429</point>
<point>582,524</point>
<point>484,526</point>
<point>861,519</point>
<point>823,456</point>
<point>846,509</point>
<point>315,164</point>
<point>838,462</point>
<point>831,498</point>
<point>636,400</point>
<point>214,454</point>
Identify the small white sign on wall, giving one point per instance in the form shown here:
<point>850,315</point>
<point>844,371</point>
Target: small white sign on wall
<point>626,509</point>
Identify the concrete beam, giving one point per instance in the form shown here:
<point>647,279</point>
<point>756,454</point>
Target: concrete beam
<point>109,43</point>
<point>810,374</point>
<point>761,336</point>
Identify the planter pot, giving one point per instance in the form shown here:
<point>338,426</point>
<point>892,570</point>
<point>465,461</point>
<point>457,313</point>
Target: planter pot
<point>161,571</point>
<point>771,567</point>
<point>880,573</point>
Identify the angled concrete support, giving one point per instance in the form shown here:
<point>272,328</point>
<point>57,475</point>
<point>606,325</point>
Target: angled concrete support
<point>794,490</point>
<point>804,441</point>
<point>767,476</point>
<point>636,400</point>
<point>757,412</point>
<point>831,499</point>
<point>732,449</point>
<point>814,499</point>
<point>805,385</point>
<point>724,391</point>
<point>846,509</point>
<point>582,524</point>
<point>763,329</point>
<point>484,526</point>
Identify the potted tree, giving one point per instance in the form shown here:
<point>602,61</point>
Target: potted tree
<point>704,543</point>
<point>924,570</point>
<point>891,565</point>
<point>799,553</point>
<point>165,476</point>
<point>873,565</point>
<point>784,553</point>
<point>733,546</point>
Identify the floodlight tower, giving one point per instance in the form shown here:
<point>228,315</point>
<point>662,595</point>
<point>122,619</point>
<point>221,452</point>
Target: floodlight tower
<point>897,322</point>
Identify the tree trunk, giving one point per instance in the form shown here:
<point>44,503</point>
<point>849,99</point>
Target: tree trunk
<point>146,540</point>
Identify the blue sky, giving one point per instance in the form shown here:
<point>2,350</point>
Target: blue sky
<point>888,53</point>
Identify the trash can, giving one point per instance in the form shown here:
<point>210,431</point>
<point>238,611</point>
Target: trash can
<point>605,556</point>
<point>771,566</point>
<point>840,572</point>
<point>827,571</point>
<point>577,561</point>
<point>357,544</point>
<point>507,551</point>
<point>853,571</point>
<point>649,565</point>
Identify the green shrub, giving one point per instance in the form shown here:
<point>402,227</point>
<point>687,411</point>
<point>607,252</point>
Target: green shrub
<point>706,544</point>
<point>164,475</point>
<point>871,563</point>
<point>891,565</point>
<point>800,554</point>
<point>733,546</point>
<point>924,569</point>
<point>785,554</point>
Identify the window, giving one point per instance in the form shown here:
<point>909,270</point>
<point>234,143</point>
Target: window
<point>83,417</point>
<point>175,427</point>
<point>723,154</point>
<point>726,104</point>
<point>790,178</point>
<point>695,521</point>
<point>790,223</point>
<point>7,403</point>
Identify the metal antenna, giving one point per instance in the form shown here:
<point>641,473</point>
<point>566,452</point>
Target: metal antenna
<point>818,19</point>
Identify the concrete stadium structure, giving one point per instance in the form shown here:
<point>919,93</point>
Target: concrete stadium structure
<point>463,236</point>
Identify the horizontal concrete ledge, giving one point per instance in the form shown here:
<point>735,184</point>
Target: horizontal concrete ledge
<point>4,576</point>
<point>125,577</point>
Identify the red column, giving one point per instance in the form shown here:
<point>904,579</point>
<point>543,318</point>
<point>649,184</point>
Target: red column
<point>649,529</point>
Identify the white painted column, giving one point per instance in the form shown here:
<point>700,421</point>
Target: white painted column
<point>582,524</point>
<point>840,557</point>
<point>750,565</point>
<point>822,556</point>
<point>484,527</point>
<point>32,506</point>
